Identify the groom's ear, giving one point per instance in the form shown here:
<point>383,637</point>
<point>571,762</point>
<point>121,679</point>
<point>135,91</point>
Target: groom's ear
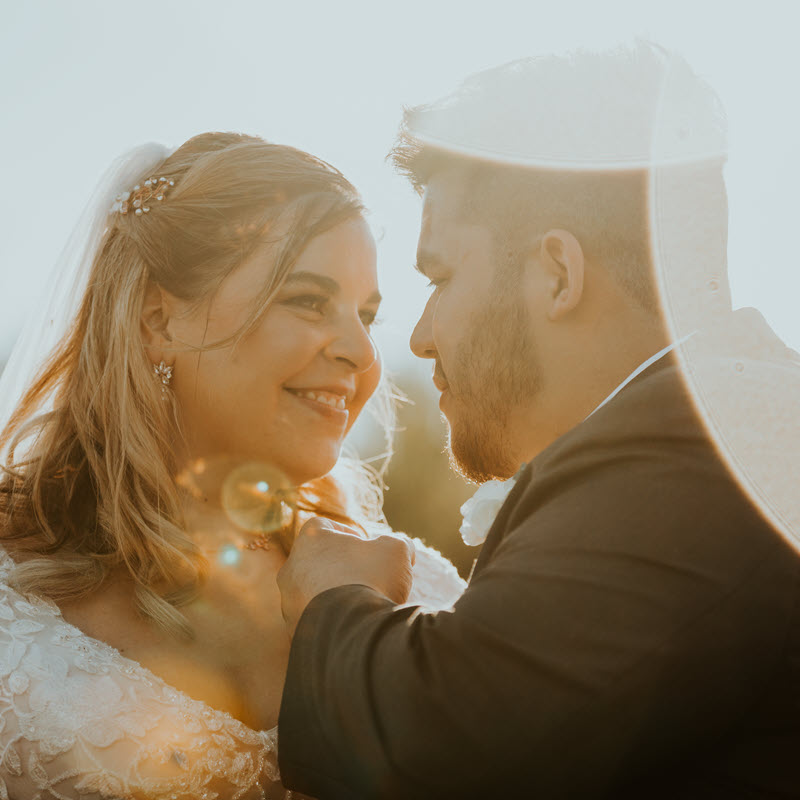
<point>560,257</point>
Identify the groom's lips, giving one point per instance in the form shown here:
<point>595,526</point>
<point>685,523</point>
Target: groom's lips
<point>439,381</point>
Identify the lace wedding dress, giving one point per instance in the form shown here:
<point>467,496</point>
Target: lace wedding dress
<point>79,720</point>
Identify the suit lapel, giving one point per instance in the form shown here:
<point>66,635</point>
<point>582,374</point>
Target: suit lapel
<point>498,529</point>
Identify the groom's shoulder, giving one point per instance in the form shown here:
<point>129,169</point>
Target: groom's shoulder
<point>646,456</point>
<point>641,475</point>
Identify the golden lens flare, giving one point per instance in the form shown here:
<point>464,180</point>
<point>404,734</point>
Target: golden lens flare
<point>258,498</point>
<point>255,497</point>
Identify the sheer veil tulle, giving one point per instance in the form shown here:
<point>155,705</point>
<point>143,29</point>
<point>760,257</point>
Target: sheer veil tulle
<point>56,311</point>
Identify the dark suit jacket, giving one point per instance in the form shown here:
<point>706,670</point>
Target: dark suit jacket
<point>631,631</point>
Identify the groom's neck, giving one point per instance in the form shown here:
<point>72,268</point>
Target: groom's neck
<point>588,369</point>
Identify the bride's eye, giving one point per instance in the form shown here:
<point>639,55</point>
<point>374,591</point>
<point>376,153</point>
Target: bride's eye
<point>310,302</point>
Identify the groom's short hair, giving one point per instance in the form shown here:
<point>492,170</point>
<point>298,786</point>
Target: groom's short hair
<point>570,142</point>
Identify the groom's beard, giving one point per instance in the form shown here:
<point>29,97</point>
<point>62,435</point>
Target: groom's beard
<point>495,372</point>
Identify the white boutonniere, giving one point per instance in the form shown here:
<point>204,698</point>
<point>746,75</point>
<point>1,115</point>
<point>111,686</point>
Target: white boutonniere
<point>481,509</point>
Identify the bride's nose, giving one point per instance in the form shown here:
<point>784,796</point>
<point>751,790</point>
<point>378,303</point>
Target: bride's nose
<point>352,344</point>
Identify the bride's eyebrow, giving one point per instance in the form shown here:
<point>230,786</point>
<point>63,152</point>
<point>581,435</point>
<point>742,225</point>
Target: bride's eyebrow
<point>326,284</point>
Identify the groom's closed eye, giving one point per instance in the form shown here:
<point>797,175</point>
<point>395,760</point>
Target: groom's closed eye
<point>436,283</point>
<point>370,318</point>
<point>432,268</point>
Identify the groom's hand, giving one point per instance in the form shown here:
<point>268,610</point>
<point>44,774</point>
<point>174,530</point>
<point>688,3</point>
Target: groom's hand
<point>326,554</point>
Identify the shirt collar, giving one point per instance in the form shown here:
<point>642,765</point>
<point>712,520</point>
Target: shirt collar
<point>641,368</point>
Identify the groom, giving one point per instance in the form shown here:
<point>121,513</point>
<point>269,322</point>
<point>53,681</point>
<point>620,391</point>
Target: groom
<point>630,627</point>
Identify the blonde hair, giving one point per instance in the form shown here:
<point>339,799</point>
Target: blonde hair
<point>96,491</point>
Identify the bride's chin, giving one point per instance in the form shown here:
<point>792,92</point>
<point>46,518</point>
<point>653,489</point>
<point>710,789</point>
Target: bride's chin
<point>308,469</point>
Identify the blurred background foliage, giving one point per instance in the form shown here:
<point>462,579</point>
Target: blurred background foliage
<point>423,495</point>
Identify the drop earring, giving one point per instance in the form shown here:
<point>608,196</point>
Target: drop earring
<point>164,373</point>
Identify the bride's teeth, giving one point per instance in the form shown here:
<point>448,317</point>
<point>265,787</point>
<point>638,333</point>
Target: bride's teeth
<point>329,400</point>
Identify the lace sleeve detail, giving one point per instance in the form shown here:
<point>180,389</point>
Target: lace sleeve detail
<point>78,720</point>
<point>437,584</point>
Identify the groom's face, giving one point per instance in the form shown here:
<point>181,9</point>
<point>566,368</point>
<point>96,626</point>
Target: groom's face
<point>476,329</point>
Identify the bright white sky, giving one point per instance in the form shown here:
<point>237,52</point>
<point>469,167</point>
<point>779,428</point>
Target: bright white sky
<point>85,80</point>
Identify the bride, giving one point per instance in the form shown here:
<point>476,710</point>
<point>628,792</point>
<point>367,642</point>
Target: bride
<point>220,316</point>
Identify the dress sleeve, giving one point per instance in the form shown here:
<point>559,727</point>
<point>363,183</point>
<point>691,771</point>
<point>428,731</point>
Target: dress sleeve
<point>77,720</point>
<point>436,583</point>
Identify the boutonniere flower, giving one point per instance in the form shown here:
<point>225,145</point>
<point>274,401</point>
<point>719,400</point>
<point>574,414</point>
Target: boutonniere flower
<point>481,509</point>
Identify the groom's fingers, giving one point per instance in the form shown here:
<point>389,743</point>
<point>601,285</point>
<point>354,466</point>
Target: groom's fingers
<point>327,554</point>
<point>321,524</point>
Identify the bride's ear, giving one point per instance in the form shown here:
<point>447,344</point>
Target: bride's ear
<point>154,323</point>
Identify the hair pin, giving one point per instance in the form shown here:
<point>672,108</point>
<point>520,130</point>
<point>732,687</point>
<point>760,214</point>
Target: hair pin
<point>140,197</point>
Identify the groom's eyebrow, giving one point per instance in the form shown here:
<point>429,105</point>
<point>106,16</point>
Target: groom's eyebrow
<point>326,284</point>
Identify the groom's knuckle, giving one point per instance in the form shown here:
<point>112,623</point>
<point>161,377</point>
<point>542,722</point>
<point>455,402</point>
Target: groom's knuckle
<point>398,547</point>
<point>316,528</point>
<point>387,542</point>
<point>309,529</point>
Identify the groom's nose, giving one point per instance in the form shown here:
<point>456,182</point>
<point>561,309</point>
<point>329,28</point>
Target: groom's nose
<point>422,338</point>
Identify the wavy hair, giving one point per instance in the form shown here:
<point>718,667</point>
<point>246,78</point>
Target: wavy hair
<point>97,489</point>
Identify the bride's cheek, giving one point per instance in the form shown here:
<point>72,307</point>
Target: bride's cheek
<point>371,378</point>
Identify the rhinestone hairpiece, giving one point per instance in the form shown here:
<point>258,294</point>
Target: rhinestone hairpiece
<point>141,196</point>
